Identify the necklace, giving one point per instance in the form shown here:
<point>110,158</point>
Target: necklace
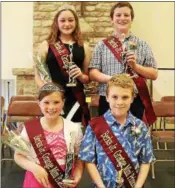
<point>70,47</point>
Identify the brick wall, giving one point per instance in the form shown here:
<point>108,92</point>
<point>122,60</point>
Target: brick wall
<point>94,17</point>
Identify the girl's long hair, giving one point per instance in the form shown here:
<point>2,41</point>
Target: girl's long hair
<point>55,32</point>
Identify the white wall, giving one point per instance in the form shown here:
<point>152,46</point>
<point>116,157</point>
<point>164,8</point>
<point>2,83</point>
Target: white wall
<point>17,36</point>
<point>154,22</point>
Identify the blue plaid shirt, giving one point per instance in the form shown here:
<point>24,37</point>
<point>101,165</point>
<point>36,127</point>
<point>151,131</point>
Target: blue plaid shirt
<point>104,60</point>
<point>139,149</point>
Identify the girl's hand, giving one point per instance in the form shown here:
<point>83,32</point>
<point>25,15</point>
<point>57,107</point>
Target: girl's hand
<point>41,176</point>
<point>131,59</point>
<point>75,71</point>
<point>71,184</point>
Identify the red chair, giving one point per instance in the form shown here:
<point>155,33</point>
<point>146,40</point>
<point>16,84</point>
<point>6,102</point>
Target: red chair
<point>160,134</point>
<point>170,120</point>
<point>21,109</point>
<point>168,99</point>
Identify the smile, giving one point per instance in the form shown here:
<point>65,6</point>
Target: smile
<point>119,108</point>
<point>51,112</point>
<point>123,23</point>
<point>67,28</point>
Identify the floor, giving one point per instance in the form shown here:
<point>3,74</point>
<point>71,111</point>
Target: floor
<point>12,175</point>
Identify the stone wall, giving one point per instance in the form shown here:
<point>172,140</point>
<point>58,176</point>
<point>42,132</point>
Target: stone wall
<point>25,83</point>
<point>95,24</point>
<point>94,18</point>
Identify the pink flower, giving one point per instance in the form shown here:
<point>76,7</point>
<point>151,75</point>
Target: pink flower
<point>132,45</point>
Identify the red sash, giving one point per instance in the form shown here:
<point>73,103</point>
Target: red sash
<point>116,48</point>
<point>62,55</point>
<point>43,152</point>
<point>114,150</point>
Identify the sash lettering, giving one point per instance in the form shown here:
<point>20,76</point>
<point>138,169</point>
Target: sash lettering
<point>62,55</point>
<point>114,150</point>
<point>44,154</point>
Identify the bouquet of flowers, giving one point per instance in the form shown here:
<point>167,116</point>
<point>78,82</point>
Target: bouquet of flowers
<point>41,67</point>
<point>11,137</point>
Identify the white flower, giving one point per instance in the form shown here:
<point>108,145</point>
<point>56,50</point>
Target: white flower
<point>42,68</point>
<point>135,131</point>
<point>13,139</point>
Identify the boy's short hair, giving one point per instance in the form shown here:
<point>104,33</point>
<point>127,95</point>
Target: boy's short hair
<point>120,5</point>
<point>121,80</point>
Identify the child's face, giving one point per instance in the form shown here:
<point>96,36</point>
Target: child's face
<point>66,22</point>
<point>119,100</point>
<point>52,105</point>
<point>122,19</point>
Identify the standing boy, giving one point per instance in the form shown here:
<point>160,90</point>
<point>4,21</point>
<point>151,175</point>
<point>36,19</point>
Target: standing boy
<point>117,147</point>
<point>106,61</point>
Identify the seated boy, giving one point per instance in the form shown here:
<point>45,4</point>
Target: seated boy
<point>117,148</point>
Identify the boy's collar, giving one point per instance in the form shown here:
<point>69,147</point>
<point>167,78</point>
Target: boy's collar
<point>127,37</point>
<point>130,121</point>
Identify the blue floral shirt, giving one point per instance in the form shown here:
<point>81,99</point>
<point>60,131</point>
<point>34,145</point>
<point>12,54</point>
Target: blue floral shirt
<point>138,148</point>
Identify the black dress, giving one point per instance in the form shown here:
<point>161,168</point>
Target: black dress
<point>57,77</point>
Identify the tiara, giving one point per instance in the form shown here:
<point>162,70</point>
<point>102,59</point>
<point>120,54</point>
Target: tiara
<point>51,87</point>
<point>66,7</point>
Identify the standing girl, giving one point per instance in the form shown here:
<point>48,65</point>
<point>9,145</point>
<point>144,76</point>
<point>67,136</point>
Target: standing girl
<point>64,45</point>
<point>50,137</point>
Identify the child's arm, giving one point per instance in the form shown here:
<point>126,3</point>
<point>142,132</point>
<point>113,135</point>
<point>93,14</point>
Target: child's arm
<point>38,171</point>
<point>88,154</point>
<point>145,156</point>
<point>94,174</point>
<point>143,173</point>
<point>79,167</point>
<point>79,164</point>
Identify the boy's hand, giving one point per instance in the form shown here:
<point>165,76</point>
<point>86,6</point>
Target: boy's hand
<point>131,59</point>
<point>41,176</point>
